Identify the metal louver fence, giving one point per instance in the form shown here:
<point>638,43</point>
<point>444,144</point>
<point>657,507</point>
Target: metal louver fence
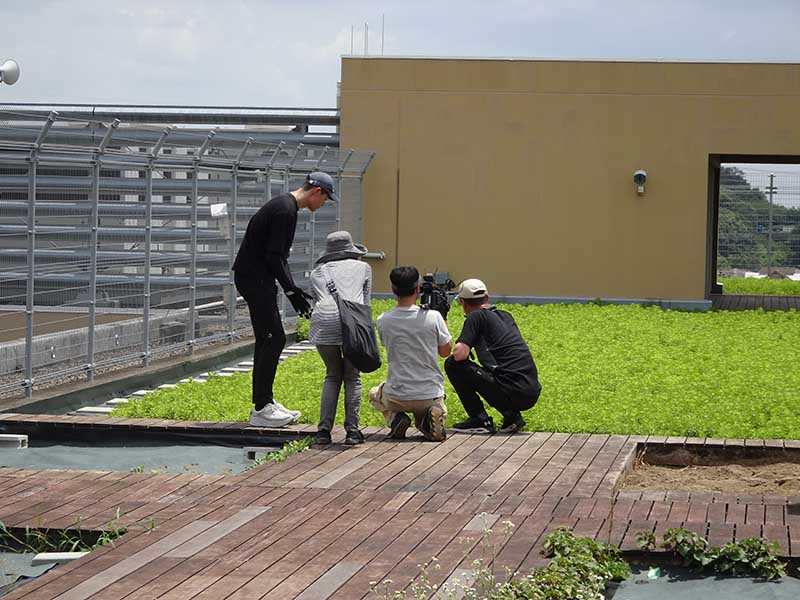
<point>117,250</point>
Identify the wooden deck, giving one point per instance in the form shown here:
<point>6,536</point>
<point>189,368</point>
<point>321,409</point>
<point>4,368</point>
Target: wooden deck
<point>752,302</point>
<point>327,522</point>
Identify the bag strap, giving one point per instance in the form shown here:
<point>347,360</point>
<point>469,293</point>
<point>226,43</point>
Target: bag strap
<point>329,282</point>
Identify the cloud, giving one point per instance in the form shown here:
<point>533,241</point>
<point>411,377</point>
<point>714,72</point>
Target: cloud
<point>269,52</point>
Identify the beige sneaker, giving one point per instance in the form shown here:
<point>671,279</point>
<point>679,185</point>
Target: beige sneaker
<point>433,425</point>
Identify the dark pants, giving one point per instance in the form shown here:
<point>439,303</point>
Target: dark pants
<point>469,379</point>
<point>261,296</point>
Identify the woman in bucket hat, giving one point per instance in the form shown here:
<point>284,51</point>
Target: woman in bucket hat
<point>340,263</point>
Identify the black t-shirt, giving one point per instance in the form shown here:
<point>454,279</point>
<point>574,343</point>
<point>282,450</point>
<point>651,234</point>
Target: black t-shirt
<point>270,231</point>
<point>497,341</point>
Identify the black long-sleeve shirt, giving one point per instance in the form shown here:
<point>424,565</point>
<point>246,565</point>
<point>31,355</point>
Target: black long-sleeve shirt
<point>264,251</point>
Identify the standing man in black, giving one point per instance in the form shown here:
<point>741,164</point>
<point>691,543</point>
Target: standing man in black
<point>263,259</point>
<point>506,376</point>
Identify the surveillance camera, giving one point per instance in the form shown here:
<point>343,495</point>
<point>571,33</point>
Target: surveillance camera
<point>639,177</point>
<point>9,72</point>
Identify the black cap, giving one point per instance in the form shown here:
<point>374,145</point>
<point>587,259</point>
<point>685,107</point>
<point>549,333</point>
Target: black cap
<point>324,182</point>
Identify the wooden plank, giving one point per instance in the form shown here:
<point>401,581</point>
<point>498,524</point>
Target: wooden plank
<point>405,571</point>
<point>378,568</point>
<point>218,531</point>
<point>531,443</point>
<point>533,465</point>
<point>339,473</point>
<point>481,522</point>
<point>136,561</point>
<point>324,587</point>
<point>543,481</point>
<point>462,460</point>
<point>315,565</point>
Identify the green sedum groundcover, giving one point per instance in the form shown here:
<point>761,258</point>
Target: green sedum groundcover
<point>769,287</point>
<point>604,369</point>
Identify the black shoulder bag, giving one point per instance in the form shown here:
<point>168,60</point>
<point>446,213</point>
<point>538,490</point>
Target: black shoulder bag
<point>359,344</point>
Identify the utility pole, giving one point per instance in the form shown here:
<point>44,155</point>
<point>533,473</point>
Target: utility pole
<point>771,189</point>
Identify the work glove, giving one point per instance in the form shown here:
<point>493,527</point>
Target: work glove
<point>299,300</point>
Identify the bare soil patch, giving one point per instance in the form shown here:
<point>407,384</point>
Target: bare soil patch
<point>726,471</point>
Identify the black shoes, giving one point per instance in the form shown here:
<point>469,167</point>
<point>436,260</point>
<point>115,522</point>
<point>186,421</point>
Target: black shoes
<point>323,437</point>
<point>512,422</point>
<point>400,423</point>
<point>476,425</point>
<point>354,437</point>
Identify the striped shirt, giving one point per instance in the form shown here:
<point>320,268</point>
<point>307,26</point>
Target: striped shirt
<point>353,279</point>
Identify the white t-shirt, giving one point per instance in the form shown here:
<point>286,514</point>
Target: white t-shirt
<point>412,337</point>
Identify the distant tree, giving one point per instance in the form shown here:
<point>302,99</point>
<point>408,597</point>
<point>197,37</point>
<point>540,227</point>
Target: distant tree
<point>744,225</point>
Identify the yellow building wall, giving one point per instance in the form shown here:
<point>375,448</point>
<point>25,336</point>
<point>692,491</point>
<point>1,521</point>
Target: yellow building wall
<point>521,172</point>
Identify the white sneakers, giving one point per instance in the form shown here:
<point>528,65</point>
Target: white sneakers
<point>295,413</point>
<point>273,415</point>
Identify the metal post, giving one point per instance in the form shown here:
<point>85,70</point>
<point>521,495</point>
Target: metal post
<point>30,283</point>
<point>232,254</point>
<point>107,137</point>
<point>339,172</point>
<point>148,261</point>
<point>93,223</point>
<point>360,213</point>
<point>193,262</point>
<point>771,189</point>
<point>232,248</point>
<point>287,174</point>
<point>313,237</point>
<point>148,242</point>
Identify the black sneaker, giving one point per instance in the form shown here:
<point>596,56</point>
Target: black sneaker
<point>354,437</point>
<point>323,437</point>
<point>400,423</point>
<point>512,422</point>
<point>476,425</point>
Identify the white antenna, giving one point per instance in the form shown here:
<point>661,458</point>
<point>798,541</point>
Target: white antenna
<point>366,39</point>
<point>383,27</point>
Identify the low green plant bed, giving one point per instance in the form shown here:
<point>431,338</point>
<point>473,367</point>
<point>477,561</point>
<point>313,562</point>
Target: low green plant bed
<point>581,567</point>
<point>285,451</point>
<point>753,556</point>
<point>774,287</point>
<point>604,369</point>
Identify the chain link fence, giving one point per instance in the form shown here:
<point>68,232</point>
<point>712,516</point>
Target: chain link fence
<point>759,222</point>
<point>117,246</point>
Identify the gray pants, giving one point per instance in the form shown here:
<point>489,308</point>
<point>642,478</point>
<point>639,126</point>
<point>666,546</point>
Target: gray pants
<point>338,370</point>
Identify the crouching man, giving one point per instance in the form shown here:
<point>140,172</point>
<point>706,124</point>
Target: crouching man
<point>414,339</point>
<point>506,376</point>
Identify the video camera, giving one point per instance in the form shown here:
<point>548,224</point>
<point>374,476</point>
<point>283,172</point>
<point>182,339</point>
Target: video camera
<point>434,292</point>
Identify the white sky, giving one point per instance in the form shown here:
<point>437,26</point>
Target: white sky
<point>287,53</point>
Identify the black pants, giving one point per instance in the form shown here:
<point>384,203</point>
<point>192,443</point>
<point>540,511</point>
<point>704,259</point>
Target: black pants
<point>261,296</point>
<point>469,379</point>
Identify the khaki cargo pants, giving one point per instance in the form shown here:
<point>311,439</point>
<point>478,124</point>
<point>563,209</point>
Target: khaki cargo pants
<point>390,407</point>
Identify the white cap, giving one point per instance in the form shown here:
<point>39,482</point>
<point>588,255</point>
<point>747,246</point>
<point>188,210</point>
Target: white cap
<point>470,289</point>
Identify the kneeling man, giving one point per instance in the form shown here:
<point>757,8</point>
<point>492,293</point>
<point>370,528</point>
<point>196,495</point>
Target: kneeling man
<point>414,338</point>
<point>506,376</point>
